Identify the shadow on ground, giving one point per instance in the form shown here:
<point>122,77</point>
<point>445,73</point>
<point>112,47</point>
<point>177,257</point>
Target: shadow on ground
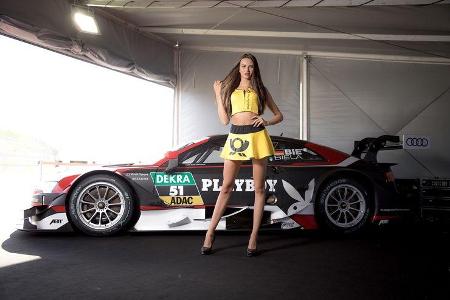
<point>401,262</point>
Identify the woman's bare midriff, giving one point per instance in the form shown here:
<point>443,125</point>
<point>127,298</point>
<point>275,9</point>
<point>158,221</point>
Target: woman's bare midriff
<point>243,118</point>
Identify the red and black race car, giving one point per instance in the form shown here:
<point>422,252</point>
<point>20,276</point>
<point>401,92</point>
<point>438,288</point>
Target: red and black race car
<point>307,186</point>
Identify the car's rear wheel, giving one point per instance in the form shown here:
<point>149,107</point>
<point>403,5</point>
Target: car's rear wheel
<point>101,205</point>
<point>344,206</point>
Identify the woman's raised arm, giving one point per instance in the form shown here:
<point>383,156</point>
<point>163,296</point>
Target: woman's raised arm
<point>223,116</point>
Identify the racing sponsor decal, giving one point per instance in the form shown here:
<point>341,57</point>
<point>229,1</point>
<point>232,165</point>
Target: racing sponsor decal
<point>138,176</point>
<point>240,185</point>
<point>182,200</point>
<point>238,146</point>
<point>179,178</point>
<point>294,154</point>
<point>177,189</point>
<point>416,141</point>
<point>288,223</point>
<point>301,203</point>
<point>56,221</point>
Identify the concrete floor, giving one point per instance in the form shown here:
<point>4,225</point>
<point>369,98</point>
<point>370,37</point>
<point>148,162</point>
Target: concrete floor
<point>390,263</point>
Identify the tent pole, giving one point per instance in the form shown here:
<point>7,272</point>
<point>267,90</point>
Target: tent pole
<point>304,97</point>
<point>176,99</point>
<point>301,97</point>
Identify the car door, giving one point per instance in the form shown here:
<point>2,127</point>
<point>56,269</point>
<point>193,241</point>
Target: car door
<point>206,166</point>
<point>293,171</point>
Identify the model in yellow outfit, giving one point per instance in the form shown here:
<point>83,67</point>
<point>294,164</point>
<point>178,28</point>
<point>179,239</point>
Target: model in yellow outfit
<point>241,99</point>
<point>244,100</point>
<point>246,141</point>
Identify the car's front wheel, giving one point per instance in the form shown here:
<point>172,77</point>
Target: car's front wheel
<point>101,205</point>
<point>344,206</point>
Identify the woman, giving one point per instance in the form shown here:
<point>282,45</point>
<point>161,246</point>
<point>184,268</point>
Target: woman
<point>241,98</point>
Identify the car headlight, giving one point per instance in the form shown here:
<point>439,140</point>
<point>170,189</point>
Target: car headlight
<point>40,191</point>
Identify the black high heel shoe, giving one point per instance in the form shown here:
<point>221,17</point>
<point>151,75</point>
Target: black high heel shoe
<point>208,250</point>
<point>252,252</point>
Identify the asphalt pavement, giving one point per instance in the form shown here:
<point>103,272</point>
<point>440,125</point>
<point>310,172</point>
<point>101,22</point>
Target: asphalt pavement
<point>397,262</point>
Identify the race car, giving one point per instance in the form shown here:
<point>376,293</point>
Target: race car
<point>308,186</point>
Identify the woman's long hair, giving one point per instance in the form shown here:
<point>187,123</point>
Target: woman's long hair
<point>232,80</point>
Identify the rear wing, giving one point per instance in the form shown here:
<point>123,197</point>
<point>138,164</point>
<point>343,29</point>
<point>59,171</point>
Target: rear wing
<point>371,146</point>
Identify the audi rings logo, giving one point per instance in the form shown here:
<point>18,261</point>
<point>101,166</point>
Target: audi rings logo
<point>418,142</point>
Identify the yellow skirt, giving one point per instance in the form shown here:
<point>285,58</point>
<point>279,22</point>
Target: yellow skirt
<point>245,142</point>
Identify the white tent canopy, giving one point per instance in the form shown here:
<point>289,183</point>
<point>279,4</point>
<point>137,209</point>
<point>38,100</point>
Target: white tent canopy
<point>48,23</point>
<point>359,27</point>
<point>339,70</point>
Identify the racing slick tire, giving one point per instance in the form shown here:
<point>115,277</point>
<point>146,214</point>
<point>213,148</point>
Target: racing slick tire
<point>344,206</point>
<point>101,205</point>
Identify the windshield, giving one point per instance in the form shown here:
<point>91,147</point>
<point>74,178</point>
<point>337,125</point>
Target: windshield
<point>182,146</point>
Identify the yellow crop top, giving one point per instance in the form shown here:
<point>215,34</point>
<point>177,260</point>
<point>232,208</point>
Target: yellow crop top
<point>244,100</point>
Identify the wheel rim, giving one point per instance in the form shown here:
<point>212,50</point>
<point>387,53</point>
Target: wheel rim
<point>345,205</point>
<point>100,205</point>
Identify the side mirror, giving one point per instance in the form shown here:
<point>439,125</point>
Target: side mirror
<point>173,163</point>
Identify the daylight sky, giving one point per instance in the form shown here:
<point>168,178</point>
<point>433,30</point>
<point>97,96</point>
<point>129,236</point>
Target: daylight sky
<point>83,111</point>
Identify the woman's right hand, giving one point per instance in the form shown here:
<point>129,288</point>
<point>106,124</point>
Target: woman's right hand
<point>217,87</point>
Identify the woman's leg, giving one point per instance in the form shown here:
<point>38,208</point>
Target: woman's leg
<point>259,179</point>
<point>230,171</point>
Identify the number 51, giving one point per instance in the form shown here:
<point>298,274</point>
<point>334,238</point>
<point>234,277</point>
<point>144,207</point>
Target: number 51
<point>176,190</point>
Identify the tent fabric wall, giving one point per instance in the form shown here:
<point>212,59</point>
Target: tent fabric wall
<point>353,99</point>
<point>348,99</point>
<point>198,111</point>
<point>118,46</point>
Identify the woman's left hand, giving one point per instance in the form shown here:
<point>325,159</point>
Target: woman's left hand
<point>258,121</point>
